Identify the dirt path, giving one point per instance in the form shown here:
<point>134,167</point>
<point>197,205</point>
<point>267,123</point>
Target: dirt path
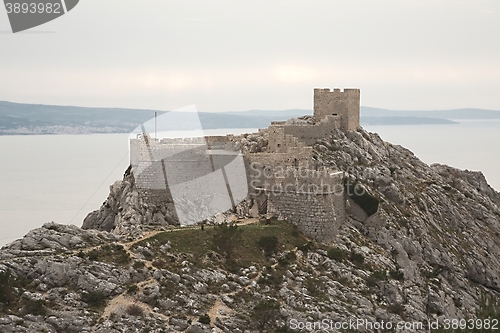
<point>120,303</point>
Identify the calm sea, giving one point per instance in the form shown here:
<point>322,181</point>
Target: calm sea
<point>62,178</point>
<point>472,144</point>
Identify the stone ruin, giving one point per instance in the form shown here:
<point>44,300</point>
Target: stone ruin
<point>277,176</point>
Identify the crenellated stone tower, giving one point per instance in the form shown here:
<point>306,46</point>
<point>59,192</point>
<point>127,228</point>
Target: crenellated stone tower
<point>344,104</point>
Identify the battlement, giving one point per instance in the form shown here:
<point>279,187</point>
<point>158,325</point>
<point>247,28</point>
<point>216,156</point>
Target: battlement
<point>337,90</point>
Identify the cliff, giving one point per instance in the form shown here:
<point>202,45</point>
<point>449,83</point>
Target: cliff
<point>430,252</point>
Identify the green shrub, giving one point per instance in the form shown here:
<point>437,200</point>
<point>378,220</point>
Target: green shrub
<point>138,264</point>
<point>359,195</point>
<point>272,278</point>
<point>287,259</point>
<point>306,247</point>
<point>204,319</point>
<point>132,289</point>
<point>111,253</point>
<point>437,269</point>
<point>337,254</point>
<point>94,299</point>
<point>227,238</point>
<point>265,314</point>
<point>315,287</point>
<point>135,310</point>
<point>35,307</point>
<point>357,258</point>
<point>397,308</point>
<point>397,275</point>
<point>269,244</point>
<point>159,263</point>
<point>93,255</point>
<point>489,307</point>
<point>375,277</point>
<point>7,292</point>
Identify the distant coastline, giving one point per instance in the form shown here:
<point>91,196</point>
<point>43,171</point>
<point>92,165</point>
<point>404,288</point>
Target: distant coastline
<point>37,119</point>
<point>406,121</point>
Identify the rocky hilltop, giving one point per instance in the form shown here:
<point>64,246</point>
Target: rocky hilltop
<point>431,251</point>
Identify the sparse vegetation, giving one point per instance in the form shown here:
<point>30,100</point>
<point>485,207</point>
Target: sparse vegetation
<point>271,278</point>
<point>357,258</point>
<point>489,308</point>
<point>397,275</point>
<point>265,314</point>
<point>306,247</point>
<point>7,292</point>
<point>110,253</point>
<point>132,289</point>
<point>94,299</point>
<point>204,319</point>
<point>397,308</point>
<point>432,274</point>
<point>376,277</point>
<point>205,246</point>
<point>337,254</point>
<point>138,264</point>
<point>315,287</point>
<point>227,238</point>
<point>268,244</point>
<point>287,259</point>
<point>159,263</point>
<point>11,288</point>
<point>135,310</point>
<point>35,307</point>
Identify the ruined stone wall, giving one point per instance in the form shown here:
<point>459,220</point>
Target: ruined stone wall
<point>294,138</point>
<point>309,134</point>
<point>315,204</point>
<point>174,161</point>
<point>345,104</point>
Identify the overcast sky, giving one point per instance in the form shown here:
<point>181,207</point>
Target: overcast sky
<point>241,55</point>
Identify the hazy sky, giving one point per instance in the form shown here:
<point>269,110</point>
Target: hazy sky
<point>240,55</point>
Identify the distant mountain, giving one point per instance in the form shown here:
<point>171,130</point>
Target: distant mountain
<point>444,114</point>
<point>282,115</point>
<point>405,121</point>
<point>18,118</point>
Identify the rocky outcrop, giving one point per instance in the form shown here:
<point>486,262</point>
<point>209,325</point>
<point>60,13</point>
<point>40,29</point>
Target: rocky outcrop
<point>128,212</point>
<point>430,214</point>
<point>430,252</point>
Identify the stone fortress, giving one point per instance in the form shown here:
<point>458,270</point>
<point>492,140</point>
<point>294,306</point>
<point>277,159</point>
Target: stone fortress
<point>280,178</point>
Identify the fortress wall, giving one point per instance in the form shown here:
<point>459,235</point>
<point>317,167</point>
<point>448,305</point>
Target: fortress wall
<point>262,166</point>
<point>309,134</point>
<point>276,139</point>
<point>183,160</point>
<point>316,216</point>
<point>312,200</point>
<point>294,138</point>
<point>149,176</point>
<point>317,213</point>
